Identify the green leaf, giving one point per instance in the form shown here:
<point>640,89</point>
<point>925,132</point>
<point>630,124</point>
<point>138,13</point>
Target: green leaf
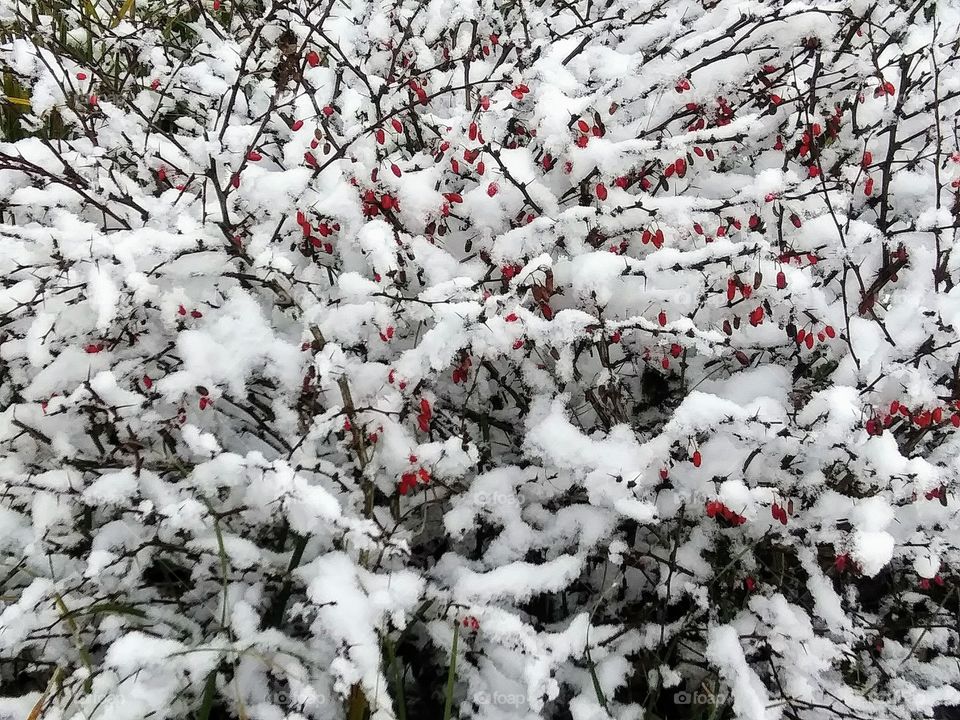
<point>451,674</point>
<point>209,692</point>
<point>124,9</point>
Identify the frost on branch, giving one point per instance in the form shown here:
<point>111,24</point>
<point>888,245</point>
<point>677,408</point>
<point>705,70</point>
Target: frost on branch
<point>601,357</point>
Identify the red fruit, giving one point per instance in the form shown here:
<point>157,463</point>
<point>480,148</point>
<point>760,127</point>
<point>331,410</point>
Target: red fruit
<point>813,171</point>
<point>664,473</point>
<point>147,382</point>
<point>94,100</point>
<point>254,156</point>
<point>840,562</point>
<point>395,169</point>
<point>867,159</point>
<point>297,124</point>
<point>313,58</point>
<point>697,458</point>
<point>665,363</point>
<point>328,110</point>
<point>397,125</point>
<point>831,333</point>
<point>154,84</point>
<point>662,318</point>
<point>868,187</point>
<point>750,584</point>
<point>485,103</point>
<point>681,167</point>
<point>380,135</point>
<point>795,219</point>
<point>310,159</point>
<point>809,341</point>
<point>235,180</point>
<point>601,191</point>
<point>93,348</point>
<point>492,189</point>
<point>81,76</point>
<point>583,125</point>
<point>196,314</point>
<point>518,343</point>
<point>615,337</point>
<point>181,310</point>
<point>776,99</point>
<point>781,280</point>
<point>801,334</point>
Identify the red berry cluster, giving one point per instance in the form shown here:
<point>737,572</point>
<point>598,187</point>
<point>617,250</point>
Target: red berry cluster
<point>809,338</point>
<point>426,412</point>
<point>462,371</point>
<point>410,480</point>
<point>781,512</point>
<point>324,230</point>
<point>716,509</point>
<point>471,623</point>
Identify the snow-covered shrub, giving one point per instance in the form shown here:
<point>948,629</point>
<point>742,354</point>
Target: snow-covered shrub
<point>601,356</point>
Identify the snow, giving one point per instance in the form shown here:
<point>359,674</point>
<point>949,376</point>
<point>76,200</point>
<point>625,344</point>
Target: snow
<point>604,333</point>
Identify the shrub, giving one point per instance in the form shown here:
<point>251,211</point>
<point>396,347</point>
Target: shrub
<point>411,359</point>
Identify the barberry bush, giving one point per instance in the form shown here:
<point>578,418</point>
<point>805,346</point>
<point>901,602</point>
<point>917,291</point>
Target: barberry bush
<point>575,359</point>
